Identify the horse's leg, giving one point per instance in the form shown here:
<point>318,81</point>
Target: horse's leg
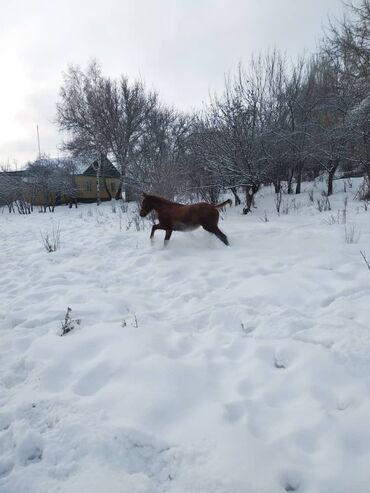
<point>154,228</point>
<point>220,235</point>
<point>168,236</point>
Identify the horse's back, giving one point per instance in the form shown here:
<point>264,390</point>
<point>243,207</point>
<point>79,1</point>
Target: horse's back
<point>188,217</point>
<point>204,214</point>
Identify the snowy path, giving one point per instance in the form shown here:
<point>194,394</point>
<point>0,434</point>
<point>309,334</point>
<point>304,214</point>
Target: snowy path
<point>196,368</point>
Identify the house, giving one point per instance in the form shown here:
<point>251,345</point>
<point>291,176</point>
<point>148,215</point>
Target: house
<point>85,180</point>
<point>54,181</point>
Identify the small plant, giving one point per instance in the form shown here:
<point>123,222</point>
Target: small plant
<point>332,219</point>
<point>51,240</point>
<point>124,207</point>
<point>69,323</point>
<point>351,235</point>
<point>135,322</point>
<point>264,219</point>
<point>340,218</point>
<point>347,184</point>
<point>296,204</point>
<point>286,208</point>
<point>364,191</point>
<point>323,204</point>
<point>134,220</point>
<point>345,203</point>
<point>278,199</point>
<point>100,217</point>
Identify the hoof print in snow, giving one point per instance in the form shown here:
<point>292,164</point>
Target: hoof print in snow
<point>30,449</point>
<point>35,456</point>
<point>246,330</point>
<point>292,485</point>
<point>279,364</point>
<point>6,466</point>
<point>343,404</point>
<point>69,323</point>
<point>5,420</point>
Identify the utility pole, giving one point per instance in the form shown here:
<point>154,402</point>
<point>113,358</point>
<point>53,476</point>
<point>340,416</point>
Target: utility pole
<point>38,141</point>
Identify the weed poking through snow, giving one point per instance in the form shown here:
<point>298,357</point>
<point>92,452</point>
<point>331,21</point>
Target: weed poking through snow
<point>351,235</point>
<point>51,240</point>
<point>69,323</point>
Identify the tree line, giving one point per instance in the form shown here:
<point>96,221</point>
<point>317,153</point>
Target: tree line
<point>274,123</point>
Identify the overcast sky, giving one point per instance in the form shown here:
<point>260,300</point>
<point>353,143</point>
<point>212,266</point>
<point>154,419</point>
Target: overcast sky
<point>182,48</point>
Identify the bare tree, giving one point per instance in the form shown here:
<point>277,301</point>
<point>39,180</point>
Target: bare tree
<point>50,180</point>
<point>349,42</point>
<point>16,190</point>
<point>103,116</point>
<point>159,157</point>
<point>329,133</point>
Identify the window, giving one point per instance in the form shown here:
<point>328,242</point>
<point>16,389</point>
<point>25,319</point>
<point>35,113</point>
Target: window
<point>88,186</point>
<point>113,187</point>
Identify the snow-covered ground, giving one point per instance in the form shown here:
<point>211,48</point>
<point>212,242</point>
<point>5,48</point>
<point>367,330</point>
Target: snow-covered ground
<point>196,367</point>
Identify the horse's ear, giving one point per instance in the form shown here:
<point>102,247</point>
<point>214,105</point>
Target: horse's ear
<point>145,194</point>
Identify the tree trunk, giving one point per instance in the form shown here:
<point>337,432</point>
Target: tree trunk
<point>290,181</point>
<point>119,192</point>
<point>98,170</point>
<point>299,178</point>
<point>277,186</point>
<point>236,196</point>
<point>107,189</point>
<point>332,170</point>
<point>249,196</point>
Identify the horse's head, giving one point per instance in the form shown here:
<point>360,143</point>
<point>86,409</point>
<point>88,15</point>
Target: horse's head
<point>146,206</point>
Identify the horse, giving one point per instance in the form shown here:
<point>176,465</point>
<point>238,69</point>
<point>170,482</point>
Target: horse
<point>173,216</point>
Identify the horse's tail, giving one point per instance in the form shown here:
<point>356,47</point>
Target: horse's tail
<point>228,201</point>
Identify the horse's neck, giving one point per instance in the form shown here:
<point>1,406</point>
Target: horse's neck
<point>159,204</point>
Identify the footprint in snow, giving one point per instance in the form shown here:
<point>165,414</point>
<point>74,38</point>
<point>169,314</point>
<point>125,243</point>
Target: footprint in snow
<point>292,484</point>
<point>6,466</point>
<point>234,411</point>
<point>29,448</point>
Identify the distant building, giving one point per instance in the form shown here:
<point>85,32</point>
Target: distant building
<point>76,181</point>
<point>85,180</point>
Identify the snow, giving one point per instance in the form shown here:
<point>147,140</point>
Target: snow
<point>196,367</point>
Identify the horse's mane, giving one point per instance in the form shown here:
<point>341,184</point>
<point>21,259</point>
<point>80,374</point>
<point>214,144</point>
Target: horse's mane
<point>156,198</point>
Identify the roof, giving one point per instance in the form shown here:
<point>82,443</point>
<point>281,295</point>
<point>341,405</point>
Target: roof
<point>107,169</point>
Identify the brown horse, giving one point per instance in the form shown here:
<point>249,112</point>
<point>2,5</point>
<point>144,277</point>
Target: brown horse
<point>180,217</point>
